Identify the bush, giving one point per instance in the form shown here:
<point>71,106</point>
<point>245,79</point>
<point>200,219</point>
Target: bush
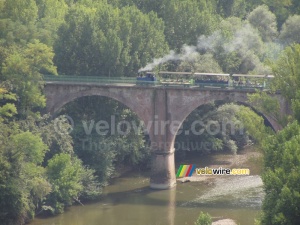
<point>203,219</point>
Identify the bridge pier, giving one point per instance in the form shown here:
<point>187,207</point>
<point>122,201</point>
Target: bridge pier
<point>162,170</point>
<point>162,144</point>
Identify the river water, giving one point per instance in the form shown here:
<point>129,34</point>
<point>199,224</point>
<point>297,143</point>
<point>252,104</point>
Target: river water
<point>129,201</point>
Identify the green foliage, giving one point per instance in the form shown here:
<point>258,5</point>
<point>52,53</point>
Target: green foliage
<point>232,146</point>
<point>203,219</point>
<point>280,8</point>
<point>200,63</point>
<point>230,62</point>
<point>22,22</point>
<point>281,151</point>
<point>254,124</point>
<point>281,177</point>
<point>265,21</point>
<point>182,28</point>
<point>213,128</point>
<point>107,41</point>
<point>267,105</point>
<point>7,110</point>
<point>52,131</point>
<point>237,46</point>
<point>30,146</point>
<point>228,8</point>
<point>65,175</point>
<point>23,69</point>
<point>23,185</point>
<point>296,106</point>
<point>92,187</point>
<point>116,38</point>
<point>287,76</point>
<point>19,10</point>
<point>290,31</point>
<point>295,7</point>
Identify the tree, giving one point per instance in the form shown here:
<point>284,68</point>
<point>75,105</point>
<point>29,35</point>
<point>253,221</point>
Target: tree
<point>200,63</point>
<point>23,69</point>
<point>51,14</point>
<point>285,69</point>
<point>228,8</point>
<point>7,110</point>
<point>267,105</point>
<point>65,175</point>
<point>203,219</point>
<point>217,128</point>
<point>295,7</point>
<point>30,146</point>
<point>17,22</point>
<point>18,10</point>
<point>145,6</point>
<point>237,47</point>
<point>279,8</point>
<point>54,133</point>
<point>182,28</point>
<point>254,124</point>
<point>23,185</point>
<point>107,41</point>
<point>265,21</point>
<point>290,31</point>
<point>281,177</point>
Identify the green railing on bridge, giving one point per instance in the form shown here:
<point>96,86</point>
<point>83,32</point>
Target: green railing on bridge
<point>89,79</point>
<point>133,81</point>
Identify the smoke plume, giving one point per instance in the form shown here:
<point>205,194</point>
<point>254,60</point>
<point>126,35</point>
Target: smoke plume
<point>246,41</point>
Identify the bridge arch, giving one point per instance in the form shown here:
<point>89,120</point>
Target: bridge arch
<point>191,100</point>
<point>268,120</point>
<point>59,95</point>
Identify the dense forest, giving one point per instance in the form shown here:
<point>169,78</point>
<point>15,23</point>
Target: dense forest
<point>44,171</point>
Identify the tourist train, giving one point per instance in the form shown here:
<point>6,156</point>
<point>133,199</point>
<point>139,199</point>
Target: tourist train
<point>213,80</point>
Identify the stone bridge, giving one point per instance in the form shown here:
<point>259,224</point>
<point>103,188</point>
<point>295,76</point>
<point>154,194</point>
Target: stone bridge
<point>164,107</point>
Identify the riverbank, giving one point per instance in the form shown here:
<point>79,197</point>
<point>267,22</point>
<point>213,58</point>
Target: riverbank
<point>224,222</point>
<point>248,158</point>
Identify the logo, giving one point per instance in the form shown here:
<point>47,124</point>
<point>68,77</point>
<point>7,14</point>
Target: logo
<point>188,170</point>
<point>185,171</point>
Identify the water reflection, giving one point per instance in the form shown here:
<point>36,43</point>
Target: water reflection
<point>129,201</point>
<point>172,206</point>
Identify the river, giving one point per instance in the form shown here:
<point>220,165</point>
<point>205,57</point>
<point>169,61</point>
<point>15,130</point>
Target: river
<point>129,201</point>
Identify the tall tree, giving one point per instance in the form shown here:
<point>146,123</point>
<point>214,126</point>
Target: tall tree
<point>265,22</point>
<point>51,14</point>
<point>108,41</point>
<point>65,174</point>
<point>182,28</point>
<point>229,8</point>
<point>18,10</point>
<point>280,8</point>
<point>287,76</point>
<point>290,32</point>
<point>281,177</point>
<point>23,69</point>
